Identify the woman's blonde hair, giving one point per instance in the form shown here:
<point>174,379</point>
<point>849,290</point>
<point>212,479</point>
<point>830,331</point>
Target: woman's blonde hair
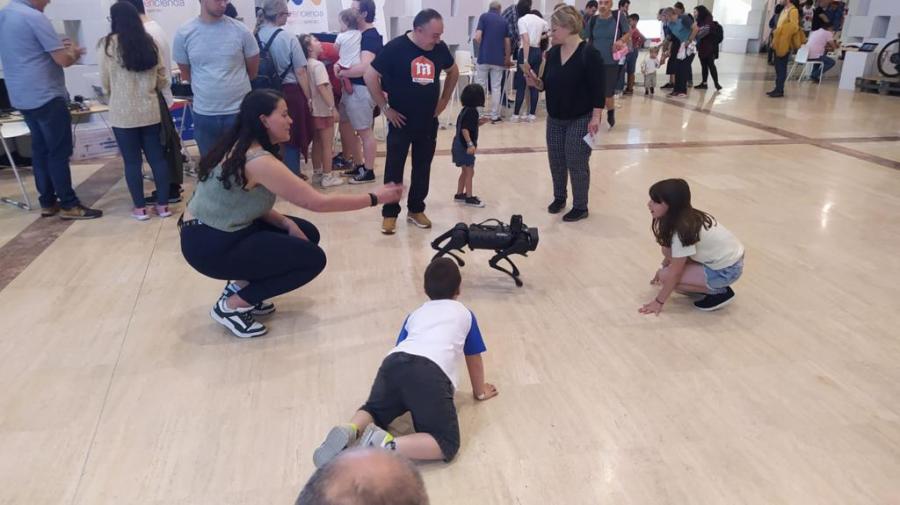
<point>569,18</point>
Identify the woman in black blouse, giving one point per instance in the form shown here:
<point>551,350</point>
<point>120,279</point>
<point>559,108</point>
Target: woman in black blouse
<point>573,79</point>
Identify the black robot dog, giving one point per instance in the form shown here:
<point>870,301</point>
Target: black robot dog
<point>503,239</point>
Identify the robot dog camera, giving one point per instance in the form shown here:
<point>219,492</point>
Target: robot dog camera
<point>505,240</point>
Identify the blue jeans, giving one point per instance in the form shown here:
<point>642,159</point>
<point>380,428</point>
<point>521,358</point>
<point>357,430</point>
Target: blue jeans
<point>292,158</point>
<point>51,146</point>
<point>781,64</point>
<point>133,141</point>
<point>718,280</point>
<point>827,63</point>
<point>534,59</point>
<point>208,130</point>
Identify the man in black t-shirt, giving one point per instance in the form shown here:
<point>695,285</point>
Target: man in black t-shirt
<point>409,70</point>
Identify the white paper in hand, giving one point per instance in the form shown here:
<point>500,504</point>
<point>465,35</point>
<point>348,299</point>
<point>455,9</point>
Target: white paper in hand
<point>590,140</point>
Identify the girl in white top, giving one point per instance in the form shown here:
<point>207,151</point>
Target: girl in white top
<point>133,75</point>
<point>323,111</point>
<point>348,44</point>
<point>699,254</point>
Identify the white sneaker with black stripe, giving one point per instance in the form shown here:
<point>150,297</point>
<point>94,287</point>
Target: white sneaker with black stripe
<point>239,321</point>
<point>263,308</point>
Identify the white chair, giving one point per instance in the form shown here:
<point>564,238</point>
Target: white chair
<point>802,58</point>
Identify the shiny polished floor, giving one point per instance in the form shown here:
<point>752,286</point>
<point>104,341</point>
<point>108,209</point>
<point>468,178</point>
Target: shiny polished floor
<point>118,388</point>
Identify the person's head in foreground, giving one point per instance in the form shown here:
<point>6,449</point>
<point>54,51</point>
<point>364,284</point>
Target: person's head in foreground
<point>365,477</point>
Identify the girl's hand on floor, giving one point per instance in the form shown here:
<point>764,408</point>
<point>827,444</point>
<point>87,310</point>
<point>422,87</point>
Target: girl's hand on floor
<point>655,280</point>
<point>653,307</point>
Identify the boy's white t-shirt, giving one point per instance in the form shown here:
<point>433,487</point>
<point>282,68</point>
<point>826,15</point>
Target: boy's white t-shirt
<point>718,248</point>
<point>442,331</point>
<point>349,47</point>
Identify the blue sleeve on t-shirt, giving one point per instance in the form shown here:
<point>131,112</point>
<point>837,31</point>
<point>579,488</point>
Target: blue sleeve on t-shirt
<point>403,332</point>
<point>46,34</point>
<point>481,23</point>
<point>474,343</point>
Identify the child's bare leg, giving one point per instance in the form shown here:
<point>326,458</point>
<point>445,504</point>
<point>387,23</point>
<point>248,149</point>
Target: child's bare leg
<point>419,446</point>
<point>316,156</point>
<point>461,183</point>
<point>469,173</point>
<point>361,419</point>
<point>326,137</point>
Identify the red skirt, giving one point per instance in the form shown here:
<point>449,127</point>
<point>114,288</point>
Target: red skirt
<point>298,108</point>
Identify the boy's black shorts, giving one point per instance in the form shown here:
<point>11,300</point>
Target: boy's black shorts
<point>415,384</point>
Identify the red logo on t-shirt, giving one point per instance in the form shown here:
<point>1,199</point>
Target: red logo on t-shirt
<point>422,71</point>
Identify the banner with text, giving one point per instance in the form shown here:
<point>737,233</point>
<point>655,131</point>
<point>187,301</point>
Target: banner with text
<point>307,16</point>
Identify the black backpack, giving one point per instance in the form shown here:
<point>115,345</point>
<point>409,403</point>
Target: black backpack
<point>268,76</point>
<point>717,33</point>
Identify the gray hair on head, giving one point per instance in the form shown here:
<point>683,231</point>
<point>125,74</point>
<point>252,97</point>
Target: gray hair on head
<point>668,11</point>
<point>495,6</point>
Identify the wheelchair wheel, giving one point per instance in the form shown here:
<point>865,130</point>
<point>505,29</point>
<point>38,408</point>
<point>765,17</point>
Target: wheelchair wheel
<point>889,59</point>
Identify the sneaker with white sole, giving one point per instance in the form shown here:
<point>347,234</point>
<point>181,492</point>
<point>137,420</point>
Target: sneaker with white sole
<point>419,219</point>
<point>331,180</point>
<point>710,303</point>
<point>474,201</point>
<point>531,118</point>
<point>238,321</point>
<point>376,437</point>
<point>140,214</point>
<point>365,176</point>
<point>339,438</point>
<point>514,119</point>
<point>263,308</point>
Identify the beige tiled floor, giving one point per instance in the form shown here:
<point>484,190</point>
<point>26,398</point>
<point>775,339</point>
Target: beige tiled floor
<point>120,389</point>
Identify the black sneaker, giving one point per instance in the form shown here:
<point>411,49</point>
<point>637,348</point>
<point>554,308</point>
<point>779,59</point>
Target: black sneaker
<point>174,195</point>
<point>710,303</point>
<point>575,215</point>
<point>474,201</point>
<point>239,321</point>
<point>263,308</point>
<point>667,85</point>
<point>459,198</point>
<point>354,171</point>
<point>702,85</point>
<point>556,206</point>
<point>79,212</point>
<point>364,177</point>
<point>496,120</point>
<point>339,162</point>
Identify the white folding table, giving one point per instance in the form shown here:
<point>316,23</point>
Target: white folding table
<point>10,128</point>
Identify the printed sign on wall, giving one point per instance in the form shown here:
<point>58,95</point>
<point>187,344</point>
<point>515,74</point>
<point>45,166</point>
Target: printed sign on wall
<point>307,16</point>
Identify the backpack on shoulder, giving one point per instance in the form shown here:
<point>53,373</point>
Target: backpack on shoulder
<point>717,32</point>
<point>268,76</point>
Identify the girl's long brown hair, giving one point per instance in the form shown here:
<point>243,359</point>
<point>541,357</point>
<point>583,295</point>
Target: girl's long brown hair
<point>681,218</point>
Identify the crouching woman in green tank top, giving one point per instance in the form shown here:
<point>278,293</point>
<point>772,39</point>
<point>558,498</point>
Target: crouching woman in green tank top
<point>230,230</point>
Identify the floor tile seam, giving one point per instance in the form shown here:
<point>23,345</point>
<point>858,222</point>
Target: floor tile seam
<point>112,375</point>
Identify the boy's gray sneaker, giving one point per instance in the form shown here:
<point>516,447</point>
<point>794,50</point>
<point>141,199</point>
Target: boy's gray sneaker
<point>376,437</point>
<point>337,440</point>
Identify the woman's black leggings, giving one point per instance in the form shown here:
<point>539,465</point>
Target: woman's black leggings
<point>267,257</point>
<point>708,66</point>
